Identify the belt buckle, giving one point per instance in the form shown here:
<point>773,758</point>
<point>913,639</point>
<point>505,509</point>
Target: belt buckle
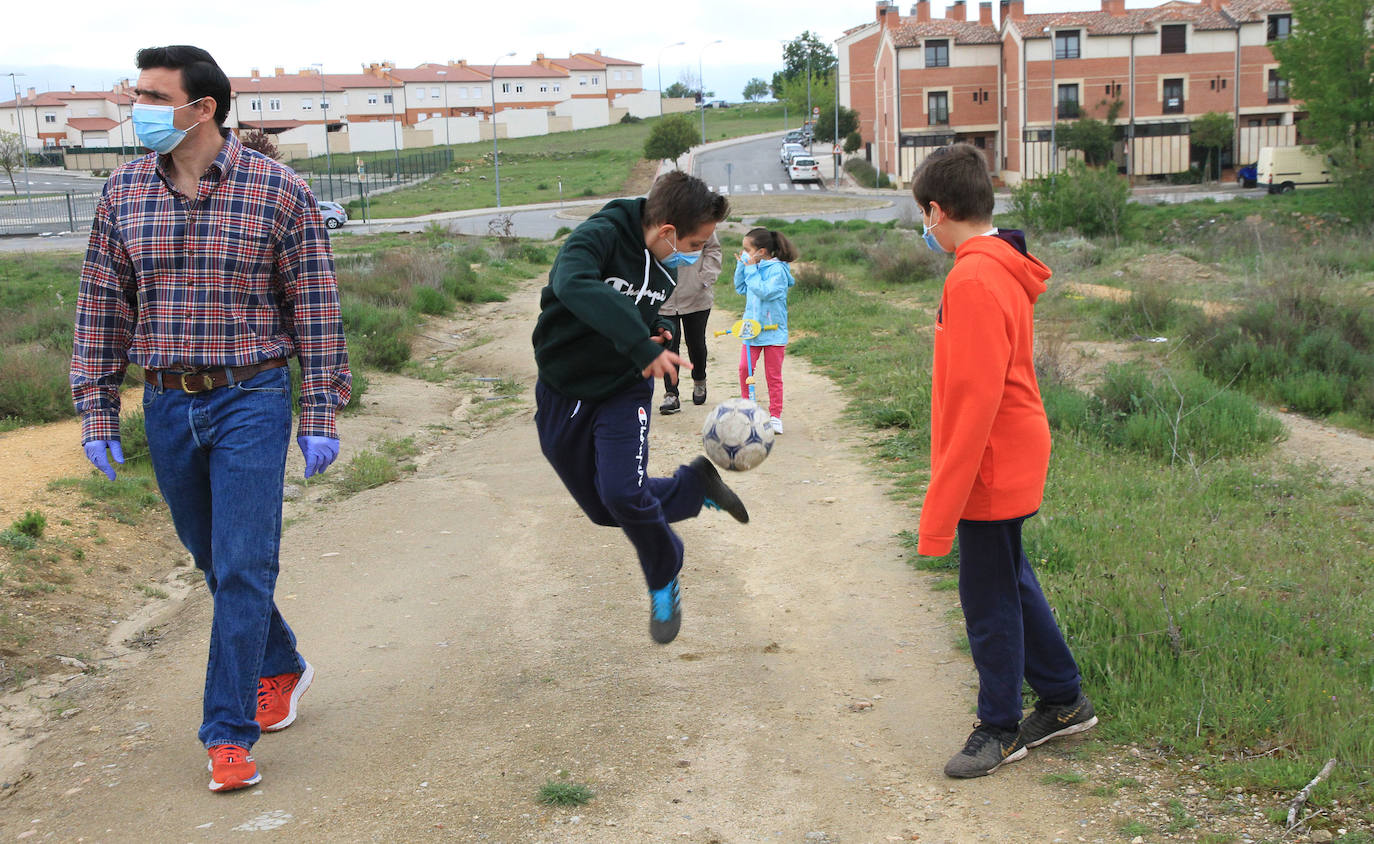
<point>207,383</point>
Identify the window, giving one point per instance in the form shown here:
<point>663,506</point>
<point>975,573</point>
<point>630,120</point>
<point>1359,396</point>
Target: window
<point>387,98</point>
<point>324,104</point>
<point>1173,38</point>
<point>557,87</point>
<point>255,104</point>
<point>307,104</point>
<point>1280,27</point>
<point>582,80</point>
<point>1068,102</point>
<point>629,76</point>
<point>505,87</point>
<point>937,53</point>
<point>49,117</point>
<point>543,89</point>
<point>1278,87</point>
<point>90,112</point>
<point>596,80</point>
<point>1112,89</point>
<point>420,93</point>
<point>434,92</point>
<point>616,75</point>
<point>938,104</point>
<point>519,88</point>
<point>274,104</point>
<point>1066,44</point>
<point>1173,96</point>
<point>371,99</point>
<point>476,93</point>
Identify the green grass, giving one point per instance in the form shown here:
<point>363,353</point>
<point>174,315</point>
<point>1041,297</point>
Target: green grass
<point>588,162</point>
<point>385,462</point>
<point>1064,778</point>
<point>124,499</point>
<point>1218,607</point>
<point>555,793</point>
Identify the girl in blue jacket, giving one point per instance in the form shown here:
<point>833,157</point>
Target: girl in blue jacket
<point>763,276</point>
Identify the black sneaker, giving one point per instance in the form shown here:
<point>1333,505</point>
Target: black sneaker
<point>986,750</point>
<point>1051,722</point>
<point>665,613</point>
<point>699,393</point>
<point>670,404</point>
<point>718,495</point>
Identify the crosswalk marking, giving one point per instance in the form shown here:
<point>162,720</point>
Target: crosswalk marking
<point>723,189</point>
<point>767,187</point>
<point>753,188</point>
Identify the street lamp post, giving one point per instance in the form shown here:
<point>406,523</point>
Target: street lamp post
<point>660,73</point>
<point>1054,110</point>
<point>701,81</point>
<point>495,150</point>
<point>808,85</point>
<point>262,107</point>
<point>836,133</point>
<point>395,143</point>
<point>448,139</point>
<point>119,111</point>
<point>23,139</point>
<point>324,109</point>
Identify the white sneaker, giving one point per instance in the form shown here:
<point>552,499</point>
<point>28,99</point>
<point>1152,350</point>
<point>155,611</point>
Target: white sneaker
<point>776,424</point>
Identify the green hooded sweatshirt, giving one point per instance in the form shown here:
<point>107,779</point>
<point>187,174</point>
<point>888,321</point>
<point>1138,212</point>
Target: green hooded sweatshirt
<point>601,306</point>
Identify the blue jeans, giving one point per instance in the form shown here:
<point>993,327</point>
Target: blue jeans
<point>1012,633</point>
<point>600,451</point>
<point>220,460</point>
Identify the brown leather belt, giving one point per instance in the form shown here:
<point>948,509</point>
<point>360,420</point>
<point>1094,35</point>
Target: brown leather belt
<point>201,380</point>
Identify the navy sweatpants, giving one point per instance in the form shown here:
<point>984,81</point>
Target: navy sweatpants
<point>1012,633</point>
<point>600,451</point>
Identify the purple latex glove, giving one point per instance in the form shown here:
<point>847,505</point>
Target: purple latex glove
<point>95,452</point>
<point>319,452</point>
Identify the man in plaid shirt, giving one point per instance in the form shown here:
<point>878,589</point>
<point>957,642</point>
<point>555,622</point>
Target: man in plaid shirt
<point>209,265</point>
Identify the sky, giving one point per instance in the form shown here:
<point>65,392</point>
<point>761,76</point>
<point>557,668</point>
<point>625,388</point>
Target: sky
<point>94,44</point>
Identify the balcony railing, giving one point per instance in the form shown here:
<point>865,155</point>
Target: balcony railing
<point>1067,111</point>
<point>1173,105</point>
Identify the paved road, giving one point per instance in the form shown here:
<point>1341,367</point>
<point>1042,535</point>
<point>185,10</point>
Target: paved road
<point>53,180</point>
<point>751,167</point>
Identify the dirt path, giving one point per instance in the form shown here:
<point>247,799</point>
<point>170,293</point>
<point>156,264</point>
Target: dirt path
<point>474,636</point>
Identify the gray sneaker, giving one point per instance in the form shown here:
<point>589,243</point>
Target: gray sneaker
<point>1051,722</point>
<point>986,750</point>
<point>699,393</point>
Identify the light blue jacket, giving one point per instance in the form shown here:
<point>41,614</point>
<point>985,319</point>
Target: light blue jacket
<point>764,286</point>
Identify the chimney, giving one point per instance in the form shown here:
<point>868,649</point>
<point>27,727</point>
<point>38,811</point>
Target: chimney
<point>958,11</point>
<point>922,11</point>
<point>985,13</point>
<point>1115,8</point>
<point>598,51</point>
<point>1214,5</point>
<point>73,89</point>
<point>1015,10</point>
<point>253,74</point>
<point>279,71</point>
<point>33,92</point>
<point>888,16</point>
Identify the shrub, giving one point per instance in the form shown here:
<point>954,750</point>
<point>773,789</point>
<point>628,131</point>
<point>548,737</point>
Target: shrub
<point>378,336</point>
<point>432,302</point>
<point>630,118</point>
<point>17,541</point>
<point>1151,311</point>
<point>562,230</point>
<point>853,141</point>
<point>32,523</point>
<point>34,387</point>
<point>865,174</point>
<point>811,279</point>
<point>1089,201</point>
<point>901,261</point>
<point>671,137</point>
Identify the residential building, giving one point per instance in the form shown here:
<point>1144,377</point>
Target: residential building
<point>47,117</point>
<point>434,90</point>
<point>534,85</point>
<point>1005,87</point>
<point>284,101</point>
<point>595,75</point>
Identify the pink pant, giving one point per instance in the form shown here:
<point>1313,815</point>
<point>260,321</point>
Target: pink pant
<point>772,365</point>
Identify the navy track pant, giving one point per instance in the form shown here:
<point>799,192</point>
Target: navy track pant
<point>600,450</point>
<point>1012,633</point>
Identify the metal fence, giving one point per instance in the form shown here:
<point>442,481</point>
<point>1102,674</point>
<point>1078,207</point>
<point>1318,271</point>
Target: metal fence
<point>69,212</point>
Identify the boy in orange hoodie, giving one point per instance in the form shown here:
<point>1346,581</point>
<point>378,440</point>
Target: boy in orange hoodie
<point>989,452</point>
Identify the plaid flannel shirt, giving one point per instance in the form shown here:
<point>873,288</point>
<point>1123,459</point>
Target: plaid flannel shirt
<point>239,274</point>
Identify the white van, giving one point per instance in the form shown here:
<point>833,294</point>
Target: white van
<point>1281,169</point>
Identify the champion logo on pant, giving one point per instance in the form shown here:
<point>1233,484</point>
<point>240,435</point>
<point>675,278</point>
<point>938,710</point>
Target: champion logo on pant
<point>643,442</point>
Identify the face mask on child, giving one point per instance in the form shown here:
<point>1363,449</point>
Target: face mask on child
<point>928,235</point>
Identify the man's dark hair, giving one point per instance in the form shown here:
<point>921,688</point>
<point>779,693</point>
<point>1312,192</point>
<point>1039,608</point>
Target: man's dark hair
<point>684,202</point>
<point>200,75</point>
<point>957,178</point>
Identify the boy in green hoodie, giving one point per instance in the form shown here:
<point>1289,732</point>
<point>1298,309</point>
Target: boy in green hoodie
<point>599,344</point>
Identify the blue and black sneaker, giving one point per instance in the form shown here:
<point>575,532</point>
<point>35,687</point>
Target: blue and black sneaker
<point>665,613</point>
<point>718,495</point>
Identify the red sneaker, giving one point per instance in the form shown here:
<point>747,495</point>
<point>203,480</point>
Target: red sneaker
<point>277,698</point>
<point>231,767</point>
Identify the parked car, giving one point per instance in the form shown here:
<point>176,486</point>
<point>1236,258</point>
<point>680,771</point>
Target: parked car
<point>716,104</point>
<point>1281,169</point>
<point>333,213</point>
<point>1247,176</point>
<point>804,168</point>
<point>790,151</point>
<point>796,136</point>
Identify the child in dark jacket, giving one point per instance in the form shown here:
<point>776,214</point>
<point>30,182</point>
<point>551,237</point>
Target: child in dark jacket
<point>989,454</point>
<point>599,344</point>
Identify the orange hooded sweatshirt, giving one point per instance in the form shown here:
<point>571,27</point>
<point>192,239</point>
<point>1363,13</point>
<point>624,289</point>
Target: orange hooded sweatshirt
<point>989,438</point>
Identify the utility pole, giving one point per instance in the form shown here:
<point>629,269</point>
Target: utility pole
<point>496,150</point>
<point>23,139</point>
<point>660,73</point>
<point>324,108</point>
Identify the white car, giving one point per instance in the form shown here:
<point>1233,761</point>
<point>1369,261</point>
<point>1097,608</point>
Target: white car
<point>791,151</point>
<point>333,213</point>
<point>804,168</point>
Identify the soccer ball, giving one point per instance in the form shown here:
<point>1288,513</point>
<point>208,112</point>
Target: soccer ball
<point>736,435</point>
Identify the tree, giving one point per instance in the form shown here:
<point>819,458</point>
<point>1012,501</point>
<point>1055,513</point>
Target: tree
<point>1328,61</point>
<point>825,126</point>
<point>1213,131</point>
<point>256,139</point>
<point>11,155</point>
<point>853,141</point>
<point>678,90</point>
<point>756,89</point>
<point>673,136</point>
<point>1090,136</point>
<point>807,46</point>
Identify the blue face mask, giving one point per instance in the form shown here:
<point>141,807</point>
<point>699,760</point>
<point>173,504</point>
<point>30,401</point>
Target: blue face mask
<point>155,129</point>
<point>681,259</point>
<point>929,236</point>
